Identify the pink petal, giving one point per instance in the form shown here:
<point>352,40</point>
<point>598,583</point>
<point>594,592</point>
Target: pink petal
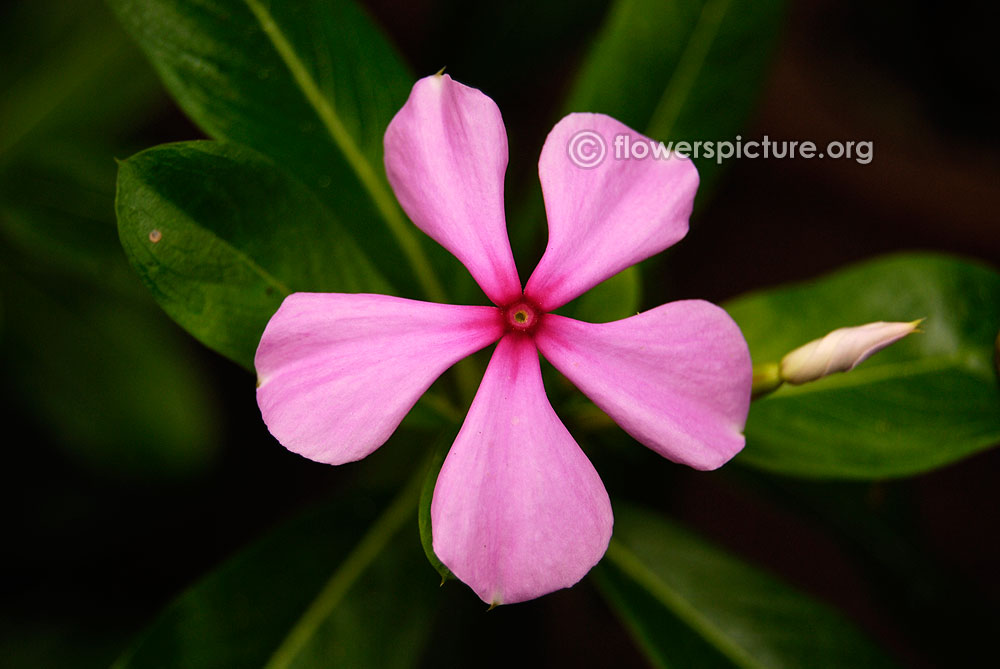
<point>518,510</point>
<point>608,216</point>
<point>445,155</point>
<point>337,373</point>
<point>677,378</point>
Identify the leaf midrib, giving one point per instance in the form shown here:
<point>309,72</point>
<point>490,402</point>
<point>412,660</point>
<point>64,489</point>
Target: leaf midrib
<point>629,562</point>
<point>689,65</point>
<point>353,566</point>
<point>380,195</point>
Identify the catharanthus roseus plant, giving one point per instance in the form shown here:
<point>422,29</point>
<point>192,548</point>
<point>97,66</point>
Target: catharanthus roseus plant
<point>518,509</point>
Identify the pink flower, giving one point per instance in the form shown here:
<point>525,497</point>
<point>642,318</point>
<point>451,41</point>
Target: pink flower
<point>518,509</point>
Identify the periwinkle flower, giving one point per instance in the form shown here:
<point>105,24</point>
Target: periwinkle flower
<point>518,510</point>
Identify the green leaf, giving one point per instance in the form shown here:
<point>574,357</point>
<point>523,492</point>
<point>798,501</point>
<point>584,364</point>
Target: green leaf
<point>310,84</point>
<point>424,513</point>
<point>73,235</point>
<point>104,377</point>
<point>924,402</point>
<point>318,592</point>
<point>69,71</point>
<point>691,604</point>
<point>93,366</point>
<point>688,70</point>
<point>610,300</point>
<point>221,236</point>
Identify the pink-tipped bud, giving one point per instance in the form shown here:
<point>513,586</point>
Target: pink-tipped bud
<point>842,350</point>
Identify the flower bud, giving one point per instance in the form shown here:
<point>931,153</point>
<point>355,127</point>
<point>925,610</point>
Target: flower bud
<point>842,350</point>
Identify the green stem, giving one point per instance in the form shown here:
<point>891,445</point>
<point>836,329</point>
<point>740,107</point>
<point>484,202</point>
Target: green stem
<point>766,379</point>
<point>377,189</point>
<point>402,508</point>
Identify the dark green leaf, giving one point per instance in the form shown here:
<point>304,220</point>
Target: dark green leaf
<point>69,71</point>
<point>104,377</point>
<point>424,514</point>
<point>688,70</point>
<point>221,236</point>
<point>924,402</point>
<point>319,592</point>
<point>691,604</point>
<point>90,362</point>
<point>73,234</point>
<point>310,84</point>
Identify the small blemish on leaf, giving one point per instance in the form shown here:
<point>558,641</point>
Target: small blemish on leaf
<point>155,236</point>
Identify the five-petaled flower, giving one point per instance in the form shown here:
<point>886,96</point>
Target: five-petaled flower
<point>518,510</point>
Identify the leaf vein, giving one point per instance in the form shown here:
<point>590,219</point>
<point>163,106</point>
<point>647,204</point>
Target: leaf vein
<point>380,195</point>
<point>629,563</point>
<point>692,59</point>
<point>353,566</point>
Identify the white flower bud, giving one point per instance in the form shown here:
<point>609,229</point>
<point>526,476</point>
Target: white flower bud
<point>842,350</point>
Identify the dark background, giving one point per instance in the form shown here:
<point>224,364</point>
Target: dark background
<point>92,552</point>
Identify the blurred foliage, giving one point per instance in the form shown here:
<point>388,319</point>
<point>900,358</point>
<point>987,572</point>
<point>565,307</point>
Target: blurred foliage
<point>289,194</point>
<point>85,353</point>
<point>97,382</point>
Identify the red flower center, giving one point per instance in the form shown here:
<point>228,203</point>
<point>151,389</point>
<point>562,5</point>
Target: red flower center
<point>521,316</point>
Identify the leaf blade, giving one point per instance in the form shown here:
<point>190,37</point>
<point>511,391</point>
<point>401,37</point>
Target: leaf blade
<point>740,615</point>
<point>927,401</point>
<point>262,607</point>
<point>281,80</point>
<point>682,71</point>
<point>233,236</point>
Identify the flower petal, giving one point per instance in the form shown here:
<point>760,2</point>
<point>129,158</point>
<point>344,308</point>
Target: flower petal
<point>518,510</point>
<point>337,373</point>
<point>445,156</point>
<point>605,213</point>
<point>677,378</point>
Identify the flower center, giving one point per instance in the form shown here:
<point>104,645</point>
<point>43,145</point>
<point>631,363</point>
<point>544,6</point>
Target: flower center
<point>521,316</point>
